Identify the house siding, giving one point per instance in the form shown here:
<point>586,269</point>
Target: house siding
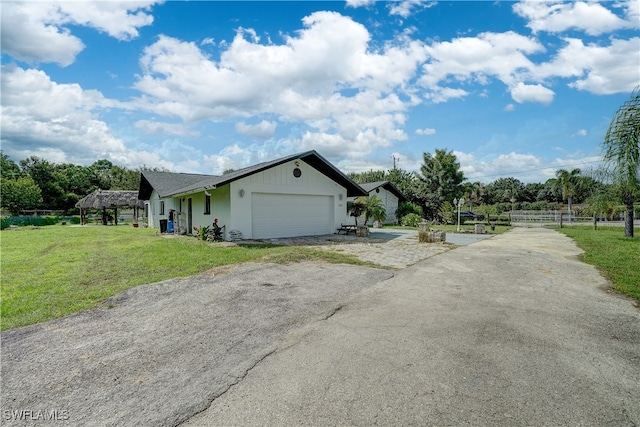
<point>390,202</point>
<point>280,180</point>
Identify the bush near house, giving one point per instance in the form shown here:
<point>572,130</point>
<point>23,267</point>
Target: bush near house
<point>411,220</point>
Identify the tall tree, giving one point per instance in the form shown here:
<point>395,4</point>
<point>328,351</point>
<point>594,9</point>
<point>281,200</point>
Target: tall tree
<point>43,174</point>
<point>442,180</point>
<point>8,168</point>
<point>368,176</point>
<point>504,190</point>
<point>567,182</point>
<point>622,154</point>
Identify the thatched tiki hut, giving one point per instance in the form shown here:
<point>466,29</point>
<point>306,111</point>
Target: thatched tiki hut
<point>109,199</point>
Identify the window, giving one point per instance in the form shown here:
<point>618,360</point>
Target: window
<point>162,207</point>
<point>207,205</point>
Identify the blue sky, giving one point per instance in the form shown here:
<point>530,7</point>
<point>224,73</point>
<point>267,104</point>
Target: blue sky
<point>513,88</point>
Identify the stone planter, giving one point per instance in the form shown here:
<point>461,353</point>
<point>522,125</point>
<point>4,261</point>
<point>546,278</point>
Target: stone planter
<point>432,236</point>
<point>362,231</point>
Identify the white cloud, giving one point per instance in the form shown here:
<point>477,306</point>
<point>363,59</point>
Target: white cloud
<point>27,36</point>
<point>150,126</point>
<point>38,31</point>
<point>58,122</point>
<point>504,165</point>
<point>532,93</point>
<point>301,80</point>
<point>581,132</point>
<point>443,94</point>
<point>509,107</point>
<point>406,8</point>
<point>477,60</point>
<point>360,3</point>
<point>426,131</point>
<point>598,69</point>
<point>556,17</point>
<point>264,129</point>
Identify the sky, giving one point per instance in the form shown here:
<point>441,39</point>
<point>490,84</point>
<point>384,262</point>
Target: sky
<point>514,89</point>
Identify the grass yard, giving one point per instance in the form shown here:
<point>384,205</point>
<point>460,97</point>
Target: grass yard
<point>49,272</point>
<point>616,256</point>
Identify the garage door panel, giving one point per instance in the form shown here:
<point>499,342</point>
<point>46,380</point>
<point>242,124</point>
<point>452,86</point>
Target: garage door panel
<point>289,215</point>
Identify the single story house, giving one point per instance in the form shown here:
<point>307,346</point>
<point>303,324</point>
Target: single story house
<point>389,194</point>
<point>296,195</point>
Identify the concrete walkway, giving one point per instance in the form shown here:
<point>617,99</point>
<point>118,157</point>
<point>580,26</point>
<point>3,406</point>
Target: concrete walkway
<point>511,331</point>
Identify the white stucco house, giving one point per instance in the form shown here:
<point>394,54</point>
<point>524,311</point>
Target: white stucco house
<point>389,194</point>
<point>297,195</point>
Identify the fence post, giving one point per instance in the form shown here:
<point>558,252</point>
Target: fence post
<point>560,219</point>
<point>595,222</point>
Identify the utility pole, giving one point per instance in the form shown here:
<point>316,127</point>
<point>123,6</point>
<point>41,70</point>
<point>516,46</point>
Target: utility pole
<point>394,160</point>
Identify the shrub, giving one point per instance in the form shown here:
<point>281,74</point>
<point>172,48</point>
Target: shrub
<point>411,220</point>
<point>406,208</point>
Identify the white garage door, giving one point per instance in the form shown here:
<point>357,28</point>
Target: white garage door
<point>289,215</point>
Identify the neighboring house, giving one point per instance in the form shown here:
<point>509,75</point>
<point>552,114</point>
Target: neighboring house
<point>297,195</point>
<point>389,194</point>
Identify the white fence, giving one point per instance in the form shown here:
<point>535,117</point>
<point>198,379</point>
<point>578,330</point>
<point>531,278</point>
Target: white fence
<point>552,219</point>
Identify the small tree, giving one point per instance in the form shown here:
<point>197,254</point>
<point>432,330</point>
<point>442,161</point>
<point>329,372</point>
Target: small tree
<point>373,207</point>
<point>356,208</point>
<point>19,194</point>
<point>446,212</point>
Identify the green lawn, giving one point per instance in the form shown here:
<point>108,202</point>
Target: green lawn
<point>53,271</point>
<point>616,256</point>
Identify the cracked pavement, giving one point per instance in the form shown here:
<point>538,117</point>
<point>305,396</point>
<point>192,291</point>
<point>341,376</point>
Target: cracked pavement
<point>157,354</point>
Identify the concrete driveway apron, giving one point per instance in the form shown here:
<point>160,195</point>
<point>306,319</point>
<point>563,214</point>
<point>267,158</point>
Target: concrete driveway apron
<point>511,331</point>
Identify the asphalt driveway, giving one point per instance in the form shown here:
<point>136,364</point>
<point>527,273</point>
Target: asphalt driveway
<point>512,330</point>
<point>156,355</point>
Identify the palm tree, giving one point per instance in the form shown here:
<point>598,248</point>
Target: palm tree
<point>567,181</point>
<point>356,208</point>
<point>374,208</point>
<point>622,154</point>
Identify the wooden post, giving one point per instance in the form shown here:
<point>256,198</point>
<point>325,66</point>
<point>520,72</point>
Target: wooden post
<point>595,222</point>
<point>560,219</point>
<point>115,215</point>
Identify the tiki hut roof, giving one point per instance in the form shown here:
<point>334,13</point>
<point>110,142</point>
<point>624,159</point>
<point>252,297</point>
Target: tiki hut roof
<point>110,199</point>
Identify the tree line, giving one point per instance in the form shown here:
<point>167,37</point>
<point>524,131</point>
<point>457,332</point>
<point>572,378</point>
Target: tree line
<point>35,183</point>
<point>440,181</point>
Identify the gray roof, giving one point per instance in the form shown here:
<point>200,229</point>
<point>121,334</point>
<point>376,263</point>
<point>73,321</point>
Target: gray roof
<point>387,185</point>
<point>169,184</point>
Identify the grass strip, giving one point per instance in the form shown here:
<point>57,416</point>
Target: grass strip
<point>617,257</point>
